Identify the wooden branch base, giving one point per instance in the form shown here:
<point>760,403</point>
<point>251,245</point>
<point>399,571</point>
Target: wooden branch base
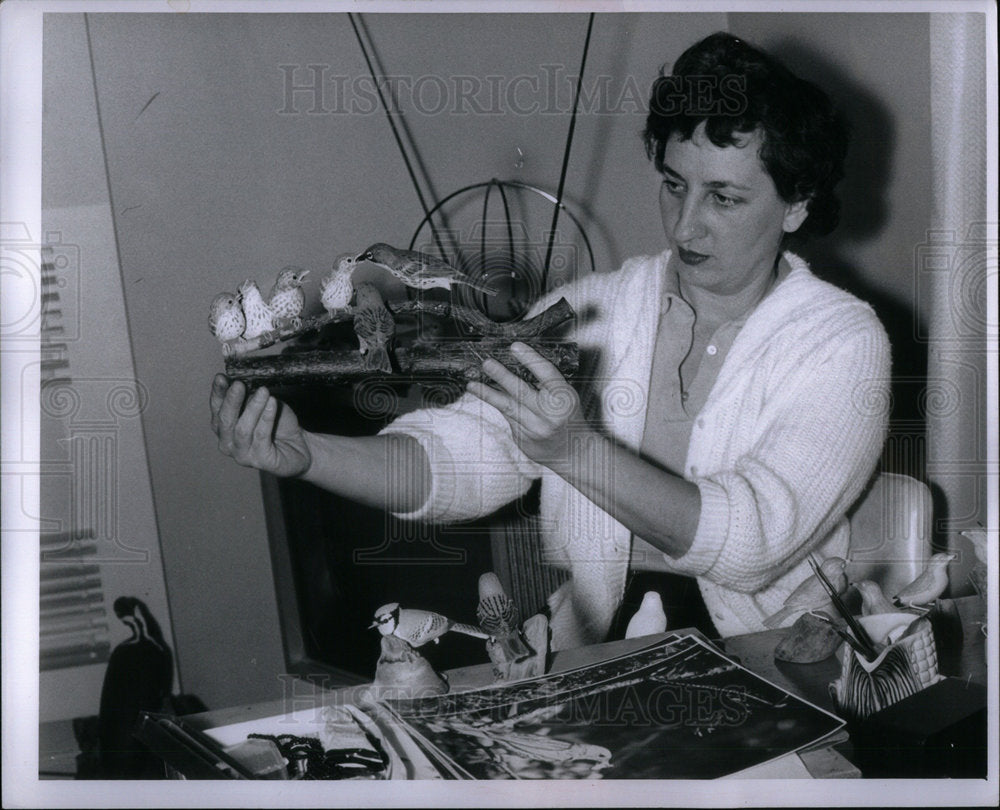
<point>460,360</point>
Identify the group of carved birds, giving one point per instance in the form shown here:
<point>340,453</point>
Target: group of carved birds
<point>496,611</point>
<point>810,595</point>
<point>247,315</point>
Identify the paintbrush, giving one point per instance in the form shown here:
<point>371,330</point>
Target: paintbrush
<point>869,652</point>
<point>840,631</point>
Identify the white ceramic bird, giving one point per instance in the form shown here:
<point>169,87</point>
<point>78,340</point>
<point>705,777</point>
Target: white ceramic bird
<point>259,318</point>
<point>810,594</point>
<point>928,586</point>
<point>649,618</point>
<point>873,600</point>
<point>336,290</point>
<point>287,299</point>
<point>418,270</point>
<point>497,615</point>
<point>417,627</point>
<point>225,317</point>
<point>980,543</point>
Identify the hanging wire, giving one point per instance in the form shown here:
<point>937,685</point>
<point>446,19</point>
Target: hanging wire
<point>501,184</point>
<point>396,135</point>
<point>569,145</point>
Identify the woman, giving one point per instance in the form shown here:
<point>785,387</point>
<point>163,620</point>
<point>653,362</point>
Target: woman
<point>724,428</point>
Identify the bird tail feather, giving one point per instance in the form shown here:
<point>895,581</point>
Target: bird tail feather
<point>468,629</point>
<point>776,619</point>
<point>377,358</point>
<point>513,648</point>
<point>483,288</point>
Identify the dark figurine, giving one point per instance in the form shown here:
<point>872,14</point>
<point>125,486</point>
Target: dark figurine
<point>139,678</point>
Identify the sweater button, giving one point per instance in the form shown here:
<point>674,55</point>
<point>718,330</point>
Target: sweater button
<point>701,423</point>
<point>693,470</point>
<point>711,349</point>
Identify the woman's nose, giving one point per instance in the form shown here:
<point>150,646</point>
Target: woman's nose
<point>689,225</point>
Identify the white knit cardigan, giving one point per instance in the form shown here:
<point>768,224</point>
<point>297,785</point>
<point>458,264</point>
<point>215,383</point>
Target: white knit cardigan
<point>789,435</point>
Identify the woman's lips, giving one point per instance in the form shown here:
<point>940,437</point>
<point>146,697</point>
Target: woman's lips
<point>690,257</point>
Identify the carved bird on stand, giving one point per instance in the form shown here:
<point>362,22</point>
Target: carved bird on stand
<point>138,678</point>
<point>928,586</point>
<point>337,289</point>
<point>649,618</point>
<point>225,317</point>
<point>374,327</point>
<point>287,299</point>
<point>259,318</point>
<point>873,601</point>
<point>810,594</point>
<point>497,615</point>
<point>417,627</point>
<point>418,270</point>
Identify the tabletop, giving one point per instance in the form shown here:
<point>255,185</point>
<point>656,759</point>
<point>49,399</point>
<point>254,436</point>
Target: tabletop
<point>961,652</point>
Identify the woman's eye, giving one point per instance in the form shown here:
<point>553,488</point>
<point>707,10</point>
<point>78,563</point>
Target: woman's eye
<point>672,186</point>
<point>724,201</point>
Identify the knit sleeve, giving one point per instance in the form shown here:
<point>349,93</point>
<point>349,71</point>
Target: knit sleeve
<point>813,450</point>
<point>476,467</point>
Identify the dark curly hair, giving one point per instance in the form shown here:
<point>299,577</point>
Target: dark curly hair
<point>735,89</point>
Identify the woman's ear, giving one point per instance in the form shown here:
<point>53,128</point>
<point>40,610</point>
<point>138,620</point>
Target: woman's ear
<point>795,215</point>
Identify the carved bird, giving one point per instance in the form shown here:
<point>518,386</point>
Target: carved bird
<point>225,317</point>
<point>336,290</point>
<point>810,594</point>
<point>873,601</point>
<point>417,627</point>
<point>418,270</point>
<point>138,678</point>
<point>259,318</point>
<point>929,585</point>
<point>374,327</point>
<point>980,542</point>
<point>649,618</point>
<point>287,299</point>
<point>497,615</point>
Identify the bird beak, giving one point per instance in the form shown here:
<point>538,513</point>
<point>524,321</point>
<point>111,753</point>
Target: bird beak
<point>372,625</point>
<point>361,256</point>
<point>303,274</point>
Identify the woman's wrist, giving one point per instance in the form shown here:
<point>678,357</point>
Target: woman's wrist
<point>309,441</point>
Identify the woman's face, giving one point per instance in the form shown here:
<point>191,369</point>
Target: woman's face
<point>722,214</point>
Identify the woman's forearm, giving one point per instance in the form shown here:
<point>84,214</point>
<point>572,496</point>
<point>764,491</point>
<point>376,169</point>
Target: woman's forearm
<point>389,472</point>
<point>658,506</point>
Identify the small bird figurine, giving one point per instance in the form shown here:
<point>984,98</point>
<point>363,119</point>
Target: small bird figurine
<point>873,601</point>
<point>287,298</point>
<point>374,327</point>
<point>417,627</point>
<point>649,618</point>
<point>336,290</point>
<point>928,586</point>
<point>259,318</point>
<point>497,615</point>
<point>980,543</point>
<point>225,317</point>
<point>418,270</point>
<point>138,678</point>
<point>810,594</point>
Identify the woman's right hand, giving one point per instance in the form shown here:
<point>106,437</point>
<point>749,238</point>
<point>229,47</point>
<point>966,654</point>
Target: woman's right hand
<point>265,436</point>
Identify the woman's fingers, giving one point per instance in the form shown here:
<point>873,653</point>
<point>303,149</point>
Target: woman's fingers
<point>516,412</point>
<point>219,387</point>
<point>264,429</point>
<point>246,427</point>
<point>545,372</point>
<point>508,380</point>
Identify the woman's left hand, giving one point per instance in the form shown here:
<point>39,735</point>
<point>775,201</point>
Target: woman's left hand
<point>541,419</point>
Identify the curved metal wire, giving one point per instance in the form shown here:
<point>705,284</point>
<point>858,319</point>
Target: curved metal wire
<point>500,186</point>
